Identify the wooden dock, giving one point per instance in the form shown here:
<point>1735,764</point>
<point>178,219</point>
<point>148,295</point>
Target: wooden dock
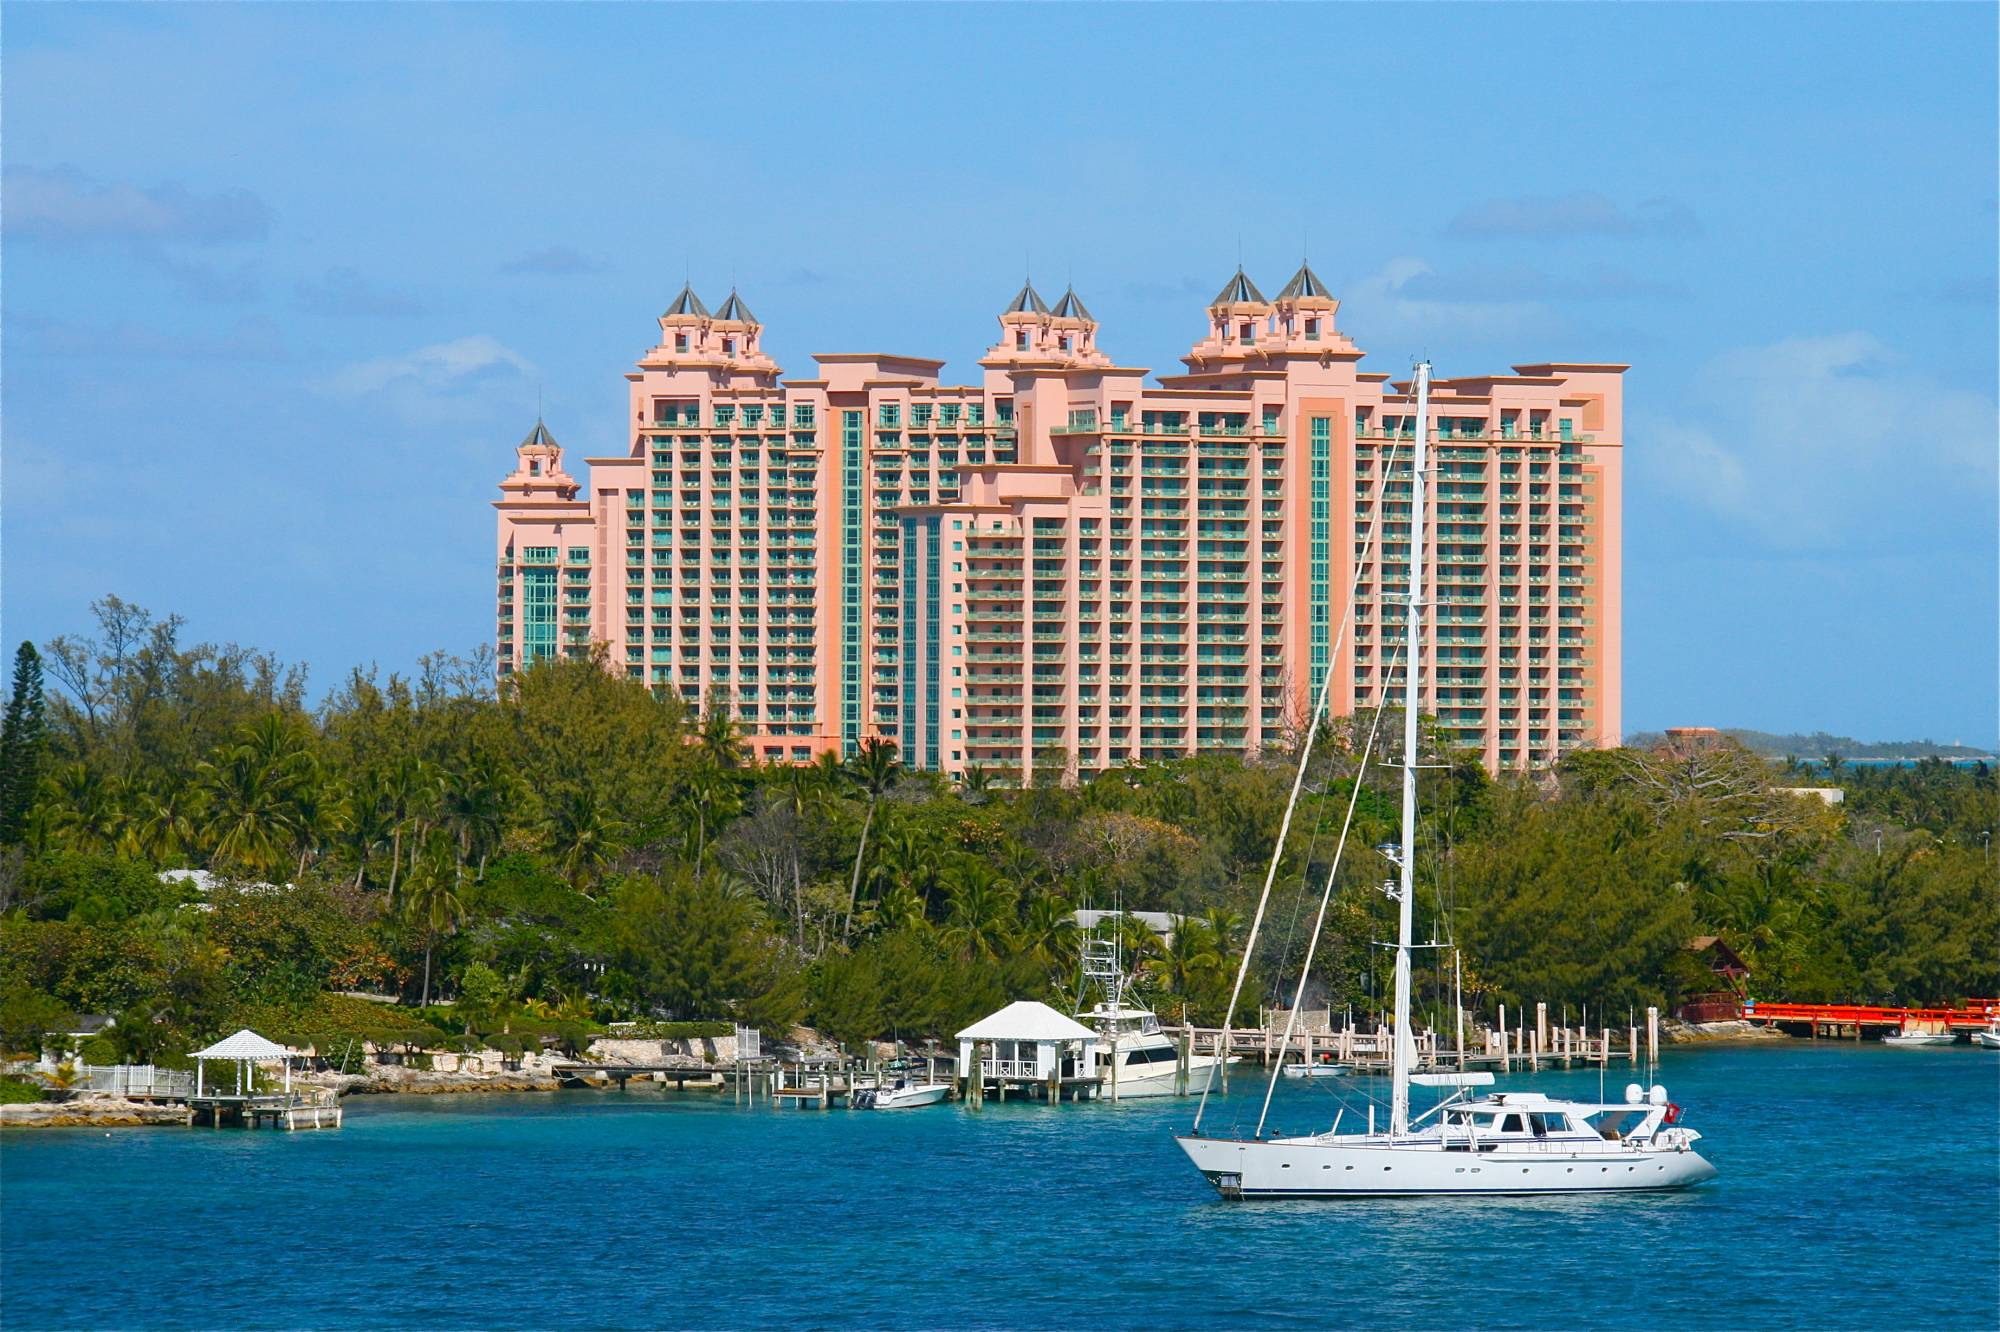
<point>300,1108</point>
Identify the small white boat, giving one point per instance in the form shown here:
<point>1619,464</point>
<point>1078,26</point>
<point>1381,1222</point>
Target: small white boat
<point>1988,1037</point>
<point>1910,1038</point>
<point>1318,1069</point>
<point>903,1085</point>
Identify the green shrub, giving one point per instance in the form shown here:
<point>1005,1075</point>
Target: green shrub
<point>673,1031</point>
<point>19,1091</point>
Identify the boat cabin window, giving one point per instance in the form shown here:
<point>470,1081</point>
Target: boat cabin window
<point>1156,1055</point>
<point>1510,1124</point>
<point>1546,1123</point>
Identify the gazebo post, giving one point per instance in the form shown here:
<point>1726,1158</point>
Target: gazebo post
<point>200,1067</point>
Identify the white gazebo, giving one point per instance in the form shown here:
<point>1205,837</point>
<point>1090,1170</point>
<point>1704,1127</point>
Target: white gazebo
<point>1029,1041</point>
<point>246,1049</point>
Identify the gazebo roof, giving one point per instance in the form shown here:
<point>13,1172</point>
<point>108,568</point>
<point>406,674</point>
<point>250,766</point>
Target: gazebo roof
<point>245,1044</point>
<point>1026,1020</point>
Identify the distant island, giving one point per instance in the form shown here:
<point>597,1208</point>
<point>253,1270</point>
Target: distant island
<point>1819,744</point>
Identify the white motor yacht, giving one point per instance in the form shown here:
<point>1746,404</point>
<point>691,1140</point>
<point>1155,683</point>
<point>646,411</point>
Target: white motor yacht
<point>1988,1036</point>
<point>1499,1143</point>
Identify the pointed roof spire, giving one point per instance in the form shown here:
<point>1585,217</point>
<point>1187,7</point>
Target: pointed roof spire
<point>540,435</point>
<point>687,303</point>
<point>734,308</point>
<point>1071,307</point>
<point>1027,301</point>
<point>1239,290</point>
<point>1305,283</point>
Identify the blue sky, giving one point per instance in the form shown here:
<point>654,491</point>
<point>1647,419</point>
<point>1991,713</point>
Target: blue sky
<point>283,283</point>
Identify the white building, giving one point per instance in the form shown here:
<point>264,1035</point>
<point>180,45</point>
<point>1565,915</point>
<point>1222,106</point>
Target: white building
<point>1028,1042</point>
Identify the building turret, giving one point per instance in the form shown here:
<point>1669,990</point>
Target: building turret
<point>1031,331</point>
<point>538,471</point>
<point>1239,314</point>
<point>728,341</point>
<point>1245,331</point>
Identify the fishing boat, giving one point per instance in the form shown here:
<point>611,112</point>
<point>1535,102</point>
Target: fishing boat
<point>1988,1036</point>
<point>1493,1143</point>
<point>1137,1055</point>
<point>1917,1037</point>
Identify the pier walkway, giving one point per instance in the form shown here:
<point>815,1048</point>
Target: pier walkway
<point>1853,1019</point>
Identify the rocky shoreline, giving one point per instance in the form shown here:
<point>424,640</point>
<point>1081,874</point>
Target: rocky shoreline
<point>91,1112</point>
<point>1713,1033</point>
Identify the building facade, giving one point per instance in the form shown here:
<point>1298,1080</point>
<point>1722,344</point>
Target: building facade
<point>1064,564</point>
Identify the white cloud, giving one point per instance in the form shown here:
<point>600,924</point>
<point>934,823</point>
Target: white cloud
<point>1812,439</point>
<point>442,367</point>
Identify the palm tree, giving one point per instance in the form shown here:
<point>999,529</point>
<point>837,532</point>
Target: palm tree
<point>898,909</point>
<point>249,801</point>
<point>475,808</point>
<point>1187,959</point>
<point>368,824</point>
<point>979,912</point>
<point>709,795</point>
<point>874,770</point>
<point>1048,931</point>
<point>407,792</point>
<point>430,902</point>
<point>1225,925</point>
<point>87,814</point>
<point>317,809</point>
<point>165,819</point>
<point>975,784</point>
<point>582,833</point>
<point>721,738</point>
<point>906,860</point>
<point>1021,865</point>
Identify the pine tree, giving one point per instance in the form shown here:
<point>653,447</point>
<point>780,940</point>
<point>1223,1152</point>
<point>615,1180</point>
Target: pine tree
<point>23,737</point>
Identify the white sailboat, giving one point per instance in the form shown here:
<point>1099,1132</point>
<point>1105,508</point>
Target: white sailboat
<point>1496,1143</point>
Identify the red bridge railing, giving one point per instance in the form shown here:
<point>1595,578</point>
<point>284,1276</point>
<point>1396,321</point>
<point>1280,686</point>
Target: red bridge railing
<point>1975,1013</point>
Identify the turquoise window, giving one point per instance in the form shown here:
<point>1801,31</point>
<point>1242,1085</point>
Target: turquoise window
<point>850,582</point>
<point>1321,454</point>
<point>538,604</point>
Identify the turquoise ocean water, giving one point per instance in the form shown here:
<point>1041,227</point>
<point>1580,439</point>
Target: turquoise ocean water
<point>1860,1188</point>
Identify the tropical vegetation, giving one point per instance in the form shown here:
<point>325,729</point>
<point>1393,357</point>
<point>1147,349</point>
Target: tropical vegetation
<point>422,859</point>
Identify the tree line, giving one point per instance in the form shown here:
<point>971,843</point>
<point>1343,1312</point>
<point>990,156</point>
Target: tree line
<point>575,849</point>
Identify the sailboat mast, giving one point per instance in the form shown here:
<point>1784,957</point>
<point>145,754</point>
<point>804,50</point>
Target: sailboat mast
<point>1406,1046</point>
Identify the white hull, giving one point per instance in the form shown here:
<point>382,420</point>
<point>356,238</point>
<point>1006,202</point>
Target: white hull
<point>1364,1166</point>
<point>1989,1039</point>
<point>1913,1040</point>
<point>1158,1078</point>
<point>905,1098</point>
<point>1315,1070</point>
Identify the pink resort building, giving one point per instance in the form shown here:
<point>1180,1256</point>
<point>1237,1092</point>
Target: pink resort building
<point>1065,565</point>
